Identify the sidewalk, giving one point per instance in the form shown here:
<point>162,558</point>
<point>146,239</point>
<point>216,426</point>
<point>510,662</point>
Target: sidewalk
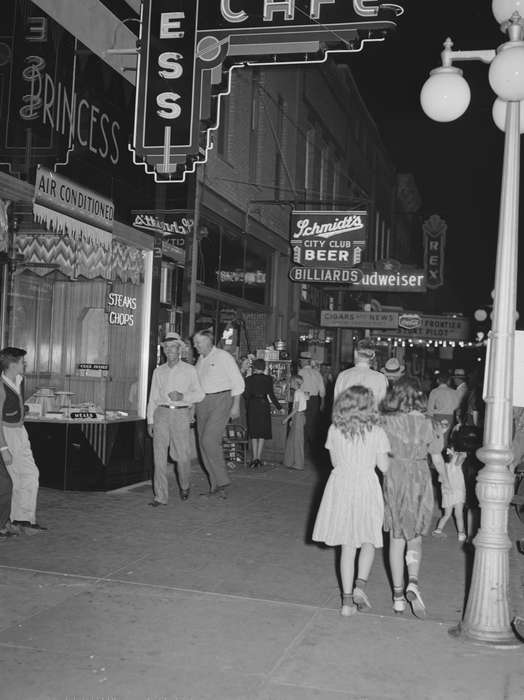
<point>226,600</point>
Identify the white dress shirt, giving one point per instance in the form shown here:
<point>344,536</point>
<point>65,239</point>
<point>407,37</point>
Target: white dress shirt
<point>442,399</point>
<point>218,371</point>
<point>362,374</point>
<point>182,377</point>
<point>313,384</point>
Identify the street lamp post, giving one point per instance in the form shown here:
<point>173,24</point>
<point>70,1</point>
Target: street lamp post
<point>444,97</point>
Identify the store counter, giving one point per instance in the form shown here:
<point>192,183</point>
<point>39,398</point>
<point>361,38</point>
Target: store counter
<point>90,454</point>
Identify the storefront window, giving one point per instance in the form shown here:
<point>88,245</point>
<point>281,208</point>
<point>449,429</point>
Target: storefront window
<point>80,307</point>
<point>209,255</point>
<point>256,279</point>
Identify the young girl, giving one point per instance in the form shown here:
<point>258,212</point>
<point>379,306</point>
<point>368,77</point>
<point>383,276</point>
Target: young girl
<point>294,452</point>
<point>408,488</point>
<point>352,509</point>
<point>453,490</point>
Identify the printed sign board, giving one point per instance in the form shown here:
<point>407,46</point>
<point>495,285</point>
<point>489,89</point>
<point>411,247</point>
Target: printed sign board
<point>434,246</point>
<point>188,47</point>
<point>401,280</point>
<point>445,327</point>
<point>328,238</point>
<point>359,319</point>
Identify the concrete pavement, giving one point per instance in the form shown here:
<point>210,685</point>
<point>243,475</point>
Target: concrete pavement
<point>226,600</point>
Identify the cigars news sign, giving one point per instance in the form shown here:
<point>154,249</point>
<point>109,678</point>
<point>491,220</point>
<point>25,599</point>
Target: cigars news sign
<point>188,48</point>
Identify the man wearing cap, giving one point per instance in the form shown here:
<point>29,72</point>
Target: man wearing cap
<point>362,373</point>
<point>223,386</point>
<point>174,389</point>
<point>315,390</point>
<point>393,370</point>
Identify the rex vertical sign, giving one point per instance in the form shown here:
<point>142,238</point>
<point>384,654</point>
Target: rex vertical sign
<point>188,48</point>
<point>434,246</point>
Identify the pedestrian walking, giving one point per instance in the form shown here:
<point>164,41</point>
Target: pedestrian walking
<point>223,386</point>
<point>175,389</point>
<point>408,488</point>
<point>351,512</point>
<point>294,450</point>
<point>258,392</point>
<point>362,373</point>
<point>15,447</point>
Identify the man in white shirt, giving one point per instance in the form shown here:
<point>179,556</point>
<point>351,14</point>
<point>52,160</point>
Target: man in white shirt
<point>362,373</point>
<point>315,390</point>
<point>461,391</point>
<point>174,390</point>
<point>223,386</point>
<point>442,402</point>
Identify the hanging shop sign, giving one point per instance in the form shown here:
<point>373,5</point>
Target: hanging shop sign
<point>436,327</point>
<point>359,319</point>
<point>66,207</point>
<point>401,280</point>
<point>188,48</point>
<point>328,238</point>
<point>434,246</point>
<point>174,225</point>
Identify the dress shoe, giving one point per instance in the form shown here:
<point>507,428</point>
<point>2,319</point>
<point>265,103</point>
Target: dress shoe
<point>184,494</point>
<point>155,504</point>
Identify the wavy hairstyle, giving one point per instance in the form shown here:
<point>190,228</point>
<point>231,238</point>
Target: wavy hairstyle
<point>403,396</point>
<point>354,411</point>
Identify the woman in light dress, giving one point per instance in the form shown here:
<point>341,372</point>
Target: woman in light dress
<point>352,509</point>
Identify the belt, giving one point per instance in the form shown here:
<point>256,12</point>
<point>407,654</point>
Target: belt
<point>216,393</point>
<point>258,396</point>
<point>167,405</point>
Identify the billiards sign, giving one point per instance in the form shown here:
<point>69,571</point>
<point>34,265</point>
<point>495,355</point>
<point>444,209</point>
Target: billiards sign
<point>187,49</point>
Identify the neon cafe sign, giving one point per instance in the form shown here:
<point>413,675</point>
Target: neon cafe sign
<point>189,47</point>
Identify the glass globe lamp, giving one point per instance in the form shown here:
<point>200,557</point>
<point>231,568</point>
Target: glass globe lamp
<point>499,114</point>
<point>503,9</point>
<point>506,72</point>
<point>445,95</point>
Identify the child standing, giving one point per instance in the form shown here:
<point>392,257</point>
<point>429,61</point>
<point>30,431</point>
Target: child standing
<point>351,512</point>
<point>294,452</point>
<point>453,490</point>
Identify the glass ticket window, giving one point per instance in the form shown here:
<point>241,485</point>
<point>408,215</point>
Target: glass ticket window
<point>81,309</point>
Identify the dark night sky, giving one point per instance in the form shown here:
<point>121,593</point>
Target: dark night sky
<point>457,166</point>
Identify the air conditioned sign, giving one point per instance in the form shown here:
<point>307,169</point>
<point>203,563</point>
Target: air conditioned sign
<point>328,239</point>
<point>188,47</point>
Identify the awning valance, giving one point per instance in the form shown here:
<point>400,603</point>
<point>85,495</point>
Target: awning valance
<point>61,223</point>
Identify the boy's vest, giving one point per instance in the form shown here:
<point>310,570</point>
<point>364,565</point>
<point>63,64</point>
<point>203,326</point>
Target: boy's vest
<point>12,410</point>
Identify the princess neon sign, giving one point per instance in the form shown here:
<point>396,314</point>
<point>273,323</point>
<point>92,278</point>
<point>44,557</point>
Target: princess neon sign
<point>188,48</point>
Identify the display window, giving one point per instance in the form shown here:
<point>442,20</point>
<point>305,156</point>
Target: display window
<point>235,264</point>
<point>81,308</point>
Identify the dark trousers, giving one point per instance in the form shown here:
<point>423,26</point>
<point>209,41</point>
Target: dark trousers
<point>212,415</point>
<point>312,427</point>
<point>6,488</point>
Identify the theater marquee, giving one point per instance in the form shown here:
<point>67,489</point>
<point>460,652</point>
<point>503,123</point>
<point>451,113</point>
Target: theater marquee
<point>188,48</point>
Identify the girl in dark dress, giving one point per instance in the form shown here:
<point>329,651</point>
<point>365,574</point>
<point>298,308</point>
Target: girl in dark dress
<point>259,388</point>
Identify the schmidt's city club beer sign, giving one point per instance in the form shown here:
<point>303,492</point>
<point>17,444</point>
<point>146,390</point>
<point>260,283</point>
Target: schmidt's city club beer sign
<point>188,47</point>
